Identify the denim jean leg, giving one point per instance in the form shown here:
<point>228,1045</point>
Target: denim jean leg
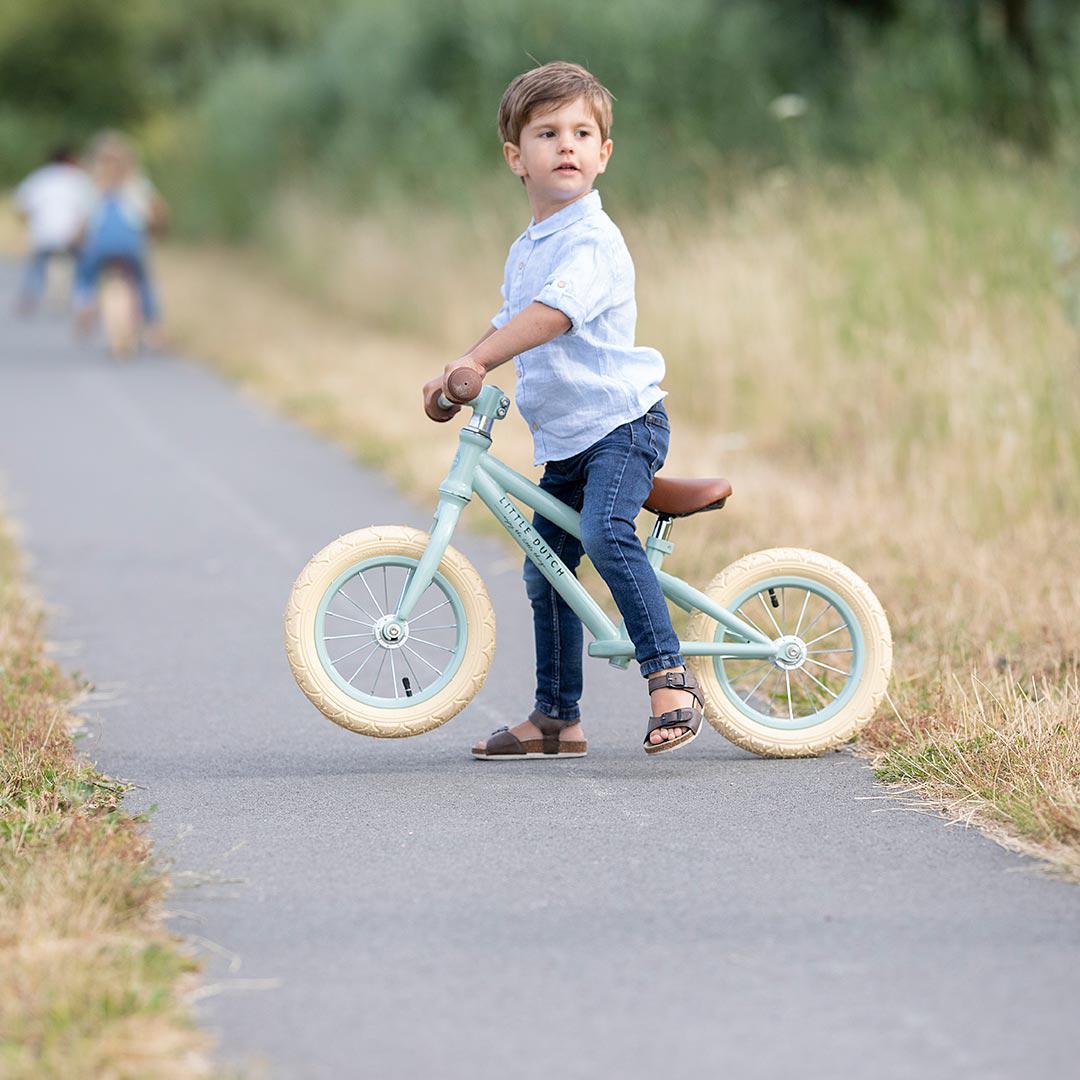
<point>558,632</point>
<point>35,275</point>
<point>619,478</point>
<point>148,301</point>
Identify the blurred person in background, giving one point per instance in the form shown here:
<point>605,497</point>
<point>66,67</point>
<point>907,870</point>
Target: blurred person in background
<point>55,201</point>
<point>127,210</point>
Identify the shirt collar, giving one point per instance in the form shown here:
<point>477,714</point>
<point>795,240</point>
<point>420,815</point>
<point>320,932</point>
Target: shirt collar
<point>583,207</point>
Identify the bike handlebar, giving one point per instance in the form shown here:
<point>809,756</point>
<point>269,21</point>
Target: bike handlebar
<point>464,384</point>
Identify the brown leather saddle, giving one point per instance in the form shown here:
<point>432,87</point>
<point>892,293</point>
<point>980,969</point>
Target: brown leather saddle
<point>680,498</point>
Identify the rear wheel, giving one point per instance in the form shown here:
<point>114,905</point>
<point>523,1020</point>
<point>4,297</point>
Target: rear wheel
<point>833,665</point>
<point>120,313</point>
<point>370,672</point>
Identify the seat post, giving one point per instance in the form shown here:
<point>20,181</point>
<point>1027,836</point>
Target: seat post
<point>662,527</point>
<point>658,545</point>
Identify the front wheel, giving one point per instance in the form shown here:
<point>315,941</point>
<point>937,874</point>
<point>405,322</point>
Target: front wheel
<point>370,672</point>
<point>831,672</point>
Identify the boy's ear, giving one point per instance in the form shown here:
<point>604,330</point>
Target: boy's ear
<point>605,153</point>
<point>512,154</point>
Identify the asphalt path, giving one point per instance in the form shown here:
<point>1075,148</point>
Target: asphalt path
<point>393,909</point>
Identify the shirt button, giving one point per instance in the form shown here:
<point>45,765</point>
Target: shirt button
<point>521,266</point>
<point>560,284</point>
<point>535,427</point>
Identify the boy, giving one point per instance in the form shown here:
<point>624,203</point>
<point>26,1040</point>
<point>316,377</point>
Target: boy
<point>55,201</point>
<point>592,401</point>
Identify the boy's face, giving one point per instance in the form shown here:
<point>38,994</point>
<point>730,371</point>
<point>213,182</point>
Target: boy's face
<point>559,156</point>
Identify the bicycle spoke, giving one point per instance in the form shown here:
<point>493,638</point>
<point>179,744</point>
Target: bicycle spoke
<point>433,644</point>
<point>353,653</point>
<point>826,651</point>
<point>335,637</point>
<point>810,675</point>
<point>783,606</point>
<point>806,600</point>
<point>419,657</point>
<point>348,618</point>
<point>828,607</point>
<point>770,614</point>
<point>393,672</point>
<point>822,637</point>
<point>342,592</point>
<point>829,666</point>
<point>739,611</point>
<point>452,626</point>
<point>417,618</point>
<point>363,581</point>
<point>382,664</point>
<point>787,680</point>
<point>812,695</point>
<point>367,660</point>
<point>419,686</point>
<point>750,670</point>
<point>386,594</point>
<point>750,694</point>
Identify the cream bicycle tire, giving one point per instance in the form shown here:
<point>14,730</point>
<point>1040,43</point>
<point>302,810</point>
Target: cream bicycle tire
<point>120,316</point>
<point>743,724</point>
<point>379,545</point>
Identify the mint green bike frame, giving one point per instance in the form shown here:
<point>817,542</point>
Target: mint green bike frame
<point>476,471</point>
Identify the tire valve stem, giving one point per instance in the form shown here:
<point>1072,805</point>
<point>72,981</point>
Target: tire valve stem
<point>408,686</point>
<point>772,597</point>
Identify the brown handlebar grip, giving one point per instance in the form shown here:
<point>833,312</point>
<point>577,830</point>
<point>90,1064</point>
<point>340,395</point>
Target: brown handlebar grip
<point>463,385</point>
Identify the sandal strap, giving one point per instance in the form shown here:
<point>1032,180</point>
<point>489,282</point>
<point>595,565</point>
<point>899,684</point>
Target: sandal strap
<point>502,741</point>
<point>677,680</point>
<point>687,718</point>
<point>550,727</point>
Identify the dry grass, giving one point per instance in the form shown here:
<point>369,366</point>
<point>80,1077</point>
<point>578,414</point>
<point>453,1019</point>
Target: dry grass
<point>93,985</point>
<point>1004,755</point>
<point>885,373</point>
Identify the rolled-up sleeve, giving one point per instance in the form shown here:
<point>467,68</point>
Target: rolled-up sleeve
<point>581,285</point>
<point>502,316</point>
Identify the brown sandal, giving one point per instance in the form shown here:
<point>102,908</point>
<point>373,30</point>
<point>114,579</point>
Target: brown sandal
<point>503,745</point>
<point>687,718</point>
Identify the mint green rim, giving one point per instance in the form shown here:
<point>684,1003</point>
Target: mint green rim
<point>427,691</point>
<point>853,676</point>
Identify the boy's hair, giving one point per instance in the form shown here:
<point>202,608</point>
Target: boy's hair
<point>548,87</point>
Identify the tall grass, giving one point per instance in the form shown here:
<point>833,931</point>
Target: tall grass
<point>885,372</point>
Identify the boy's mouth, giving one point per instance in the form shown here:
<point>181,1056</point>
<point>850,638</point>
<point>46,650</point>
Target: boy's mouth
<point>567,167</point>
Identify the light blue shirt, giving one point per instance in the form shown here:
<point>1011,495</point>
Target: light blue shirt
<point>577,387</point>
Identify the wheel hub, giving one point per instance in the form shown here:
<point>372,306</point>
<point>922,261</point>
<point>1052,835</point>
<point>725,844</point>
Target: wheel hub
<point>391,632</point>
<point>790,653</point>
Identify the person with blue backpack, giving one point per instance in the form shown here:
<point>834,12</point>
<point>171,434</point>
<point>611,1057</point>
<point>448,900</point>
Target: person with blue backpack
<point>127,211</point>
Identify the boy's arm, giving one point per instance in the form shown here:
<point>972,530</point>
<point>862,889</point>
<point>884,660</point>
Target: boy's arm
<point>483,337</point>
<point>532,326</point>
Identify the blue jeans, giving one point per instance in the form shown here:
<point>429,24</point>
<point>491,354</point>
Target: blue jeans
<point>36,271</point>
<point>94,259</point>
<point>608,483</point>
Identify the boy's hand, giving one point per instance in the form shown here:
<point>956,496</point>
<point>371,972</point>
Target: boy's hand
<point>465,361</point>
<point>432,389</point>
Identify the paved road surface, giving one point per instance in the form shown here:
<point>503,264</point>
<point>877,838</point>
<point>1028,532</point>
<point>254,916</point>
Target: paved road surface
<point>396,910</point>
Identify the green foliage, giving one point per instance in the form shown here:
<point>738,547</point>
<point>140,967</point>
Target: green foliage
<point>66,67</point>
<point>71,67</point>
<point>370,99</point>
<point>400,100</point>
